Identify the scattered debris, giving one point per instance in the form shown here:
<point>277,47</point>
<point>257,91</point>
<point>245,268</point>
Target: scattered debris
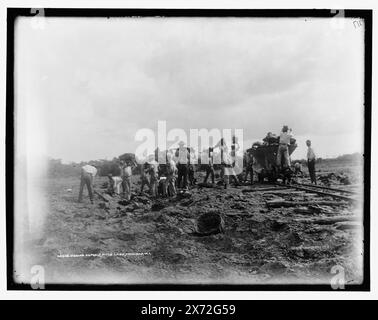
<point>311,209</point>
<point>205,185</point>
<point>184,194</point>
<point>158,205</point>
<point>238,206</point>
<point>104,205</point>
<point>105,197</point>
<point>332,178</point>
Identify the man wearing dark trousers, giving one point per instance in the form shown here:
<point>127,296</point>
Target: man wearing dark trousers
<point>311,161</point>
<point>249,167</point>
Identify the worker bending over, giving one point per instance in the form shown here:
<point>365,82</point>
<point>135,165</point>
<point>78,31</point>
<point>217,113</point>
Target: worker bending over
<point>114,183</point>
<point>88,173</point>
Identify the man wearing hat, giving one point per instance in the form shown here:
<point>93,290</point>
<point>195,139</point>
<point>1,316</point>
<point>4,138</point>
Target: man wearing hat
<point>283,148</point>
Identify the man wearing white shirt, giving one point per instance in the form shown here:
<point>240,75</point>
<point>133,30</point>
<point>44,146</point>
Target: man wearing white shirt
<point>283,148</point>
<point>88,172</point>
<point>311,161</point>
<point>126,173</point>
<point>171,176</point>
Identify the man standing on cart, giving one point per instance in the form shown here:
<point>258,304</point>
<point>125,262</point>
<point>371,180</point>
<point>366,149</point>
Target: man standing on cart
<point>283,159</point>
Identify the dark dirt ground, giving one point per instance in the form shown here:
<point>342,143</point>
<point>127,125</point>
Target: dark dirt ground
<point>259,244</point>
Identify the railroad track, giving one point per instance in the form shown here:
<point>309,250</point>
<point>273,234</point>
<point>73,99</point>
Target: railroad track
<point>336,193</point>
<point>328,188</point>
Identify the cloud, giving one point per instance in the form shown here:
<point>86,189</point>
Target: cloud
<point>100,80</point>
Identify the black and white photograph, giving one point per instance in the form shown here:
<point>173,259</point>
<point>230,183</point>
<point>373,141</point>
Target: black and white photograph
<point>169,148</point>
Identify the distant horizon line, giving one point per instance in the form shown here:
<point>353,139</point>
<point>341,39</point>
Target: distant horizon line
<point>108,159</point>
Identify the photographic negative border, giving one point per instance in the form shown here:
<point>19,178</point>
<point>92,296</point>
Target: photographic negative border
<point>13,13</point>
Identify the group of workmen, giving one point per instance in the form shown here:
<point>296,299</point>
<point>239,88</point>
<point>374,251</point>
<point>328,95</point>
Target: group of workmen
<point>177,175</point>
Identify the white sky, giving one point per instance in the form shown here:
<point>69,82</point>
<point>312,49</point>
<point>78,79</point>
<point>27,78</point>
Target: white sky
<point>84,86</point>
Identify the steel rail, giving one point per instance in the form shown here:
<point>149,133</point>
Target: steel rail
<point>326,188</point>
<point>333,195</point>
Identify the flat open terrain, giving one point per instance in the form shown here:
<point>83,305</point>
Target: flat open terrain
<point>150,241</point>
